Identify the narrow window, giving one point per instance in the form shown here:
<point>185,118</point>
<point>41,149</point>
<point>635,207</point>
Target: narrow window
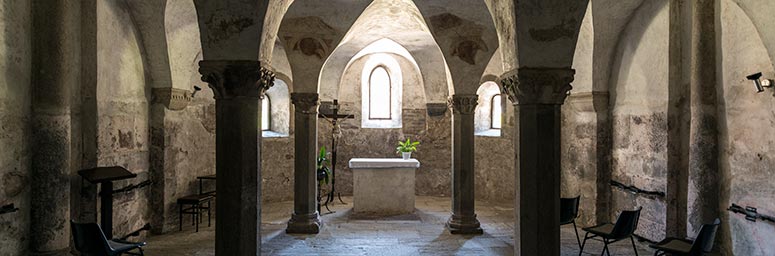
<point>379,94</point>
<point>265,113</point>
<point>496,112</point>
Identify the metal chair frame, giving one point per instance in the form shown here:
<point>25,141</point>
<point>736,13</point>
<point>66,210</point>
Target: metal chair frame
<point>618,233</point>
<point>574,204</point>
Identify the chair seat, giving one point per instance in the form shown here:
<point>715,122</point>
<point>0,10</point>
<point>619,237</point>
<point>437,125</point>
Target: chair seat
<point>195,199</point>
<point>673,245</point>
<point>563,222</point>
<point>603,230</point>
<point>124,247</point>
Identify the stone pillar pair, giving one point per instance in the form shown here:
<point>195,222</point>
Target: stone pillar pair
<point>239,86</point>
<point>537,95</point>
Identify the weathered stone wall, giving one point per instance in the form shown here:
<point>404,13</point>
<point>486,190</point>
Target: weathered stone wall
<point>747,145</point>
<point>639,105</point>
<point>15,63</point>
<point>433,177</point>
<point>579,130</point>
<point>122,110</point>
<point>494,162</point>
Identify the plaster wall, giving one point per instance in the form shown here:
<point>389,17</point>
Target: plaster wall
<point>746,144</point>
<point>15,99</point>
<point>579,130</point>
<point>122,110</point>
<point>639,110</point>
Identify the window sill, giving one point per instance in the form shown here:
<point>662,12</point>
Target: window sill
<point>271,134</point>
<point>489,133</point>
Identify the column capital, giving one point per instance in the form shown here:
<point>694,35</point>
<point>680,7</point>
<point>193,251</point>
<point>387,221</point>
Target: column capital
<point>305,103</point>
<point>538,86</point>
<point>463,104</point>
<point>236,78</point>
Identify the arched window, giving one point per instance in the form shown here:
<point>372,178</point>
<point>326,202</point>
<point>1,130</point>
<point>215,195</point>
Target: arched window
<point>496,112</point>
<point>381,83</point>
<point>379,94</point>
<point>275,111</point>
<point>266,113</point>
<point>488,117</point>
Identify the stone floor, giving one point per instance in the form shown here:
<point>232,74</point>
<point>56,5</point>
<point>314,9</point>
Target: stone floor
<point>343,233</point>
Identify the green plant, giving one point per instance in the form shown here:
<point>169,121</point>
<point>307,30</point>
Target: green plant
<point>407,146</point>
<point>323,172</point>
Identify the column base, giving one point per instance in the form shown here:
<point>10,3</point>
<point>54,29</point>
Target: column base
<point>464,225</point>
<point>304,224</point>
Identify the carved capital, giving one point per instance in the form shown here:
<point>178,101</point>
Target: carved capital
<point>305,103</point>
<point>236,78</point>
<point>171,98</point>
<point>463,104</point>
<point>538,86</point>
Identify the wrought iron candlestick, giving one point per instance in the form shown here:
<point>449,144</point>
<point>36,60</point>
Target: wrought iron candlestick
<point>336,134</point>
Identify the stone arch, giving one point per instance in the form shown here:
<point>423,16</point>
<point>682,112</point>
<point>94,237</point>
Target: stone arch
<point>466,36</point>
<point>639,105</point>
<point>494,69</point>
<point>372,27</point>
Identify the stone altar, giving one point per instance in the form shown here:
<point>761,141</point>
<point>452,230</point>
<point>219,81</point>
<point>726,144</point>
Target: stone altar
<point>383,186</point>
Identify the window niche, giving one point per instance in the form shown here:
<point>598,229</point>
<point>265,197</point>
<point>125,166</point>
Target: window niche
<point>488,118</point>
<point>381,91</point>
<point>276,111</point>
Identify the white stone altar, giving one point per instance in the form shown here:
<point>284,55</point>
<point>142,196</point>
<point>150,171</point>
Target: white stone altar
<point>383,186</point>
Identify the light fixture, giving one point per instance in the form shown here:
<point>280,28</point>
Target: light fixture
<point>196,89</point>
<point>758,82</point>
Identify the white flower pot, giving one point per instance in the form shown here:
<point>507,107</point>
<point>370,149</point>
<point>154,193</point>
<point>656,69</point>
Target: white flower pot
<point>406,155</point>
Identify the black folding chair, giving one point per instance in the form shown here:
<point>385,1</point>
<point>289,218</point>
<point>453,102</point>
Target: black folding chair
<point>610,233</point>
<point>700,246</point>
<point>89,240</point>
<point>569,211</point>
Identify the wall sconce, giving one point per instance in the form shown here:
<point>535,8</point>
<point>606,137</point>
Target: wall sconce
<point>196,89</point>
<point>758,82</point>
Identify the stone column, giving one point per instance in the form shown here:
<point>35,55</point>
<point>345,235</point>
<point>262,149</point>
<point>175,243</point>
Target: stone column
<point>538,94</point>
<point>463,219</point>
<point>703,187</point>
<point>56,71</point>
<point>678,115</point>
<point>238,86</point>
<point>305,218</point>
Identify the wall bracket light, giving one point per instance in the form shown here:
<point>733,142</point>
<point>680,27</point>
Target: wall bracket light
<point>196,89</point>
<point>759,82</point>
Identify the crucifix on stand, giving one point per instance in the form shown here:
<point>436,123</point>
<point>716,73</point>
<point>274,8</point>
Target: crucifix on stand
<point>334,117</point>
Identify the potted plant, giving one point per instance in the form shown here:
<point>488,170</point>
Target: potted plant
<point>405,148</point>
<point>323,172</point>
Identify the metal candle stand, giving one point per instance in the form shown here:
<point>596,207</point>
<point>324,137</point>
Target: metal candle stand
<point>335,133</point>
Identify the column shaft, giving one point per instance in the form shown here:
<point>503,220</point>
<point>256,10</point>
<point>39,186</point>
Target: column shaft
<point>56,71</point>
<point>678,118</point>
<point>238,87</point>
<point>305,218</point>
<point>538,94</point>
<point>703,185</point>
<point>463,219</point>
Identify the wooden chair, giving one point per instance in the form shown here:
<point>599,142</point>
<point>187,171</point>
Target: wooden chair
<point>625,226</point>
